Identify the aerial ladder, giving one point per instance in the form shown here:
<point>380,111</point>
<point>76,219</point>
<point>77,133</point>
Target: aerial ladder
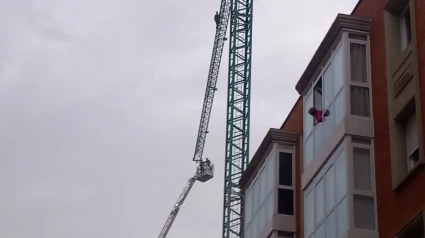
<point>205,169</point>
<point>240,13</point>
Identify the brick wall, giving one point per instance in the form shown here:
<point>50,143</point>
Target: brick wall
<point>395,210</point>
<point>294,122</point>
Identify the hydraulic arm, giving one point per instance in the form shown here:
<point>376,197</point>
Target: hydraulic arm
<point>204,172</point>
<point>176,208</point>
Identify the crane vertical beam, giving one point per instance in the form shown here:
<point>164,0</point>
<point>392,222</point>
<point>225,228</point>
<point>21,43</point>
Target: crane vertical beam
<point>238,114</point>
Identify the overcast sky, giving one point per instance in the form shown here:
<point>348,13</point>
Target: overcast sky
<point>100,103</point>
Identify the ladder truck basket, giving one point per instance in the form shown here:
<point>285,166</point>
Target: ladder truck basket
<point>205,171</point>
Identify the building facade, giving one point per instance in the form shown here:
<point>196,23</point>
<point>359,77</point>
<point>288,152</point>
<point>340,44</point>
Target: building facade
<point>349,159</point>
<point>397,46</point>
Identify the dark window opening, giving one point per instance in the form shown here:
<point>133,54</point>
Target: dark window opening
<point>414,158</point>
<point>317,110</point>
<point>318,92</point>
<point>285,201</point>
<point>285,234</point>
<point>285,169</point>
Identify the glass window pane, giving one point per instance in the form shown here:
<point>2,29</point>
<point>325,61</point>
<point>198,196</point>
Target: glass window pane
<point>320,233</point>
<point>359,101</point>
<point>339,108</point>
<point>329,123</point>
<point>248,205</point>
<point>308,119</point>
<point>309,214</point>
<point>341,176</point>
<point>317,95</point>
<point>405,30</point>
<point>331,225</point>
<point>254,225</point>
<point>328,86</point>
<point>247,232</point>
<point>308,151</point>
<point>261,217</point>
<point>358,63</point>
<point>269,207</point>
<point>285,204</point>
<point>263,186</point>
<point>357,36</point>
<point>341,218</point>
<point>320,201</point>
<point>361,167</point>
<point>318,137</point>
<point>338,69</point>
<point>256,196</point>
<point>330,188</point>
<point>411,135</point>
<point>270,173</point>
<point>285,168</point>
<point>364,212</point>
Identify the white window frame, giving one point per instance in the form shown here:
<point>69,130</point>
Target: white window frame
<point>348,72</point>
<point>351,192</point>
<point>273,155</point>
<point>340,44</point>
<point>341,148</point>
<point>270,156</point>
<point>278,186</point>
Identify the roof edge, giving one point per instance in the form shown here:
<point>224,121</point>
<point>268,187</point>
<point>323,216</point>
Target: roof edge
<point>355,7</point>
<point>290,112</point>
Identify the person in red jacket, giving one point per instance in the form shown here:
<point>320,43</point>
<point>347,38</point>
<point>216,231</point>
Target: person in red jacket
<point>317,114</point>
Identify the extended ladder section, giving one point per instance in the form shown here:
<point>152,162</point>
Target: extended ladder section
<point>212,78</point>
<point>205,171</point>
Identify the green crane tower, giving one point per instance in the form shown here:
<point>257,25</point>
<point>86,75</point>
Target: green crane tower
<point>238,113</point>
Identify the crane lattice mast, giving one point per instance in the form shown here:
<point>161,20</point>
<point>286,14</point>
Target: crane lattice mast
<point>238,114</point>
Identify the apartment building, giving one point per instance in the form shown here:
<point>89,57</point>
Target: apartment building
<point>348,161</point>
